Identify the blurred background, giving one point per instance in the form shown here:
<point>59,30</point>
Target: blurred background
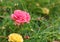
<point>45,20</point>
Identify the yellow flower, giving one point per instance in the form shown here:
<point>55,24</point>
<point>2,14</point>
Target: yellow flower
<point>14,37</point>
<point>37,4</point>
<point>45,11</point>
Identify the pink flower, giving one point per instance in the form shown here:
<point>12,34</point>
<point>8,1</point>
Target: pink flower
<point>20,17</point>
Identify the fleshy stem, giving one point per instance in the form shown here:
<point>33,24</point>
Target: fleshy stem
<point>3,37</point>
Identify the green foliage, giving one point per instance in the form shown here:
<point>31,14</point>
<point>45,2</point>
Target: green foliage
<point>47,29</point>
